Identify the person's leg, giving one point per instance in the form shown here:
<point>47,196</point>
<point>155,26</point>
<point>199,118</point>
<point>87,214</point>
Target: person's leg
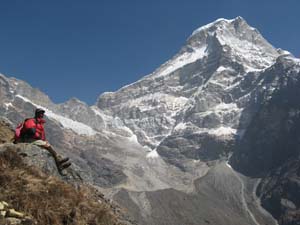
<point>61,162</point>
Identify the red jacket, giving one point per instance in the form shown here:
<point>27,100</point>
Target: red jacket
<point>38,125</point>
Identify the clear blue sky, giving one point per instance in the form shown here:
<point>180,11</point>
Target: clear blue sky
<point>77,48</point>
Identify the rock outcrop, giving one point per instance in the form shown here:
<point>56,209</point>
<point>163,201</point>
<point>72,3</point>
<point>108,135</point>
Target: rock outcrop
<point>10,216</point>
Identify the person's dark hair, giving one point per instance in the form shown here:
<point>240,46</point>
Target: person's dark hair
<point>39,111</point>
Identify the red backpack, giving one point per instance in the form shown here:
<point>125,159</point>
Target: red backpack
<point>19,131</point>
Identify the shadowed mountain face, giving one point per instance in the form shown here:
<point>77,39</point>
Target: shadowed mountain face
<point>159,146</point>
<point>271,147</point>
<point>276,122</point>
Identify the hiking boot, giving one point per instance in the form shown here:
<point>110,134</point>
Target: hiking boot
<point>64,165</point>
<point>61,161</point>
<point>61,168</point>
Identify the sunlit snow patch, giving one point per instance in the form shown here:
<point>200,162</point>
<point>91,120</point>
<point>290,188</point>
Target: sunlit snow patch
<point>227,164</point>
<point>7,105</point>
<point>152,155</point>
<point>221,131</point>
<point>180,126</point>
<point>210,25</point>
<point>182,60</point>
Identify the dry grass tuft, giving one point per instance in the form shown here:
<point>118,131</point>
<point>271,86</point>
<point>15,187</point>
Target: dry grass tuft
<point>6,132</point>
<point>47,199</point>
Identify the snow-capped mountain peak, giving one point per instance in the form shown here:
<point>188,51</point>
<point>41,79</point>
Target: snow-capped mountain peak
<point>202,75</point>
<point>233,39</point>
<point>219,23</point>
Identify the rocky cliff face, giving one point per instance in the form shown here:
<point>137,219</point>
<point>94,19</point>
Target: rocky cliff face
<point>159,146</point>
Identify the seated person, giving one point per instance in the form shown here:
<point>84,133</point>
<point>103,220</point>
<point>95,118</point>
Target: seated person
<point>33,132</point>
